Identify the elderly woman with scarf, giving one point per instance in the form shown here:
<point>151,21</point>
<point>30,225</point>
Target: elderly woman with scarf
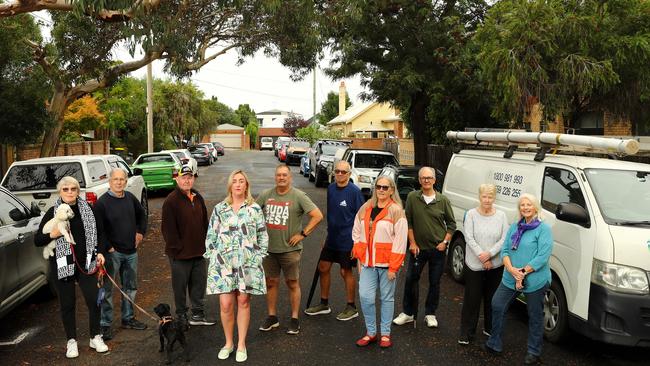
<point>525,255</point>
<point>75,262</point>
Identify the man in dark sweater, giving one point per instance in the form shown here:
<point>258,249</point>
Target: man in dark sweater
<point>124,222</point>
<point>184,228</point>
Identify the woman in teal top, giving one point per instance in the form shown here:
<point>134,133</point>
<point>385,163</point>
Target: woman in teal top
<point>525,255</point>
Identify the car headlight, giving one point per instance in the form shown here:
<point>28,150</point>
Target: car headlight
<point>619,278</point>
<point>365,179</point>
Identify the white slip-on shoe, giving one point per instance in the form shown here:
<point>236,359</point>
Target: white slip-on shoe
<point>97,343</point>
<point>403,319</point>
<point>224,353</point>
<point>431,320</point>
<point>241,356</point>
<point>72,351</point>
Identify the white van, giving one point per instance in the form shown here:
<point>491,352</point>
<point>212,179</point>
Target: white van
<point>266,143</point>
<point>599,211</point>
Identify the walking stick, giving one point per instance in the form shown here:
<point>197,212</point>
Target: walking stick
<point>415,291</point>
<point>314,280</point>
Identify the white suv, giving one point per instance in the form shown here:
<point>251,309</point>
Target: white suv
<point>35,180</point>
<point>366,165</point>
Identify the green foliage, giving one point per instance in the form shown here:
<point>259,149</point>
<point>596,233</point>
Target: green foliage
<point>24,89</point>
<point>252,129</point>
<point>246,114</point>
<point>313,132</point>
<point>573,57</point>
<point>330,108</point>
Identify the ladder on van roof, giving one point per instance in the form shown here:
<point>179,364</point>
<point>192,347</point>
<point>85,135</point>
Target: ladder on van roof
<point>546,141</point>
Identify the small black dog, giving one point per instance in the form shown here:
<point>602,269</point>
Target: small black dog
<point>171,330</point>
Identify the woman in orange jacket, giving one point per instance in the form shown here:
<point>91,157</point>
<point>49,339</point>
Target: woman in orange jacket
<point>379,235</point>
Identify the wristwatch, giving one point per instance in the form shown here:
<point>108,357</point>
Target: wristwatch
<point>302,232</point>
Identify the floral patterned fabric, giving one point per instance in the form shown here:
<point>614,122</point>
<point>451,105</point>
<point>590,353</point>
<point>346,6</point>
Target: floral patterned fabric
<point>235,246</point>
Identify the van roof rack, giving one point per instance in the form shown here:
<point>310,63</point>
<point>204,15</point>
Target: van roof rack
<point>545,141</point>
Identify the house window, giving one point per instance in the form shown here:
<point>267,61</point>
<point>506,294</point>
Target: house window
<point>590,123</point>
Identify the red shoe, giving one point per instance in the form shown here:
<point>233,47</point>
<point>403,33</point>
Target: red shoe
<point>366,340</point>
<point>385,342</point>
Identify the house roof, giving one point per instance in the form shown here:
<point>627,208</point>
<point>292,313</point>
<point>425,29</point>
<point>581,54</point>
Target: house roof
<point>274,111</point>
<point>351,113</point>
<point>228,126</point>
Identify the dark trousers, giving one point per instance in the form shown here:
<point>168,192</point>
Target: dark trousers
<point>68,300</point>
<point>479,286</point>
<point>189,275</point>
<point>436,261</point>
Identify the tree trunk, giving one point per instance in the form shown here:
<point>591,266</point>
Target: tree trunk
<point>59,102</point>
<point>417,112</point>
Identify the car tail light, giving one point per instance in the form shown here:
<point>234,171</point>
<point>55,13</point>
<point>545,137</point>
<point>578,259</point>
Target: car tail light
<point>174,173</point>
<point>91,198</point>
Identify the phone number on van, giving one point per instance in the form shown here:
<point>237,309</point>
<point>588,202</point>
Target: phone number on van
<point>502,178</point>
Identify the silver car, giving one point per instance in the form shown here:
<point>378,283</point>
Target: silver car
<point>23,270</point>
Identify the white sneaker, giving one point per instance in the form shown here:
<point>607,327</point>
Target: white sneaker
<point>98,344</point>
<point>403,319</point>
<point>431,320</point>
<point>72,350</point>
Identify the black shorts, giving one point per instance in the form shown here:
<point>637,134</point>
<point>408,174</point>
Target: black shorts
<point>338,256</point>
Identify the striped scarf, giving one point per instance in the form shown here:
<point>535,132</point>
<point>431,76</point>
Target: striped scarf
<point>64,258</point>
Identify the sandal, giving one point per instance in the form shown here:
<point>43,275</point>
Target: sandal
<point>385,342</point>
<point>366,340</point>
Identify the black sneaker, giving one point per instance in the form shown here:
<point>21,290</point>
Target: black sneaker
<point>463,340</point>
<point>199,319</point>
<point>107,332</point>
<point>294,326</point>
<point>531,359</point>
<point>133,323</point>
<point>269,323</point>
<point>182,319</point>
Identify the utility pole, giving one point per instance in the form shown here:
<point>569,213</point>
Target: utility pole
<point>149,108</point>
<point>314,92</point>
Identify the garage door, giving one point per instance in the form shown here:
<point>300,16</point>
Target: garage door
<point>231,141</point>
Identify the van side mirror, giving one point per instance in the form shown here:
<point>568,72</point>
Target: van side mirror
<point>137,171</point>
<point>17,214</point>
<point>573,213</point>
<point>35,210</point>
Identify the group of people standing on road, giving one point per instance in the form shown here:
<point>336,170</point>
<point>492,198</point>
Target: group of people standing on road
<point>246,245</point>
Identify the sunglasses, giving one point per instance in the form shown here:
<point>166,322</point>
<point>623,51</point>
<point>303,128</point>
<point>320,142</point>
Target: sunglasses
<point>337,171</point>
<point>379,187</point>
<point>426,178</point>
<point>69,189</point>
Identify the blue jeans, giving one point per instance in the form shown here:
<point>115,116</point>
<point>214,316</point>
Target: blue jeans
<point>127,266</point>
<point>436,261</point>
<point>501,301</point>
<point>370,278</point>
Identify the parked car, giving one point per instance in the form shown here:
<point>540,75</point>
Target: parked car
<point>366,165</point>
<point>295,150</point>
<point>321,157</point>
<point>186,158</point>
<point>266,143</point>
<point>407,180</point>
<point>159,170</point>
<point>23,270</point>
<point>201,154</point>
<point>277,144</point>
<point>35,180</point>
<point>282,152</point>
<point>304,165</point>
<point>213,151</point>
<point>221,150</point>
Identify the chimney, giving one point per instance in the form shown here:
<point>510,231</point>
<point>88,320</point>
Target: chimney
<point>342,98</point>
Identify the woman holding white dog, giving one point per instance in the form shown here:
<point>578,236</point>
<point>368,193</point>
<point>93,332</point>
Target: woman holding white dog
<point>88,255</point>
<point>236,242</point>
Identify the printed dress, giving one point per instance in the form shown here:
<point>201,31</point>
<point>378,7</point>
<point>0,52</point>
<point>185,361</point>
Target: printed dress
<point>235,245</point>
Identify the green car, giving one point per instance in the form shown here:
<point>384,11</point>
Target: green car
<point>158,170</point>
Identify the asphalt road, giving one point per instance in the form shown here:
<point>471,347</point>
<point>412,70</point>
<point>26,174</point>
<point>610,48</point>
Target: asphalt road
<point>322,341</point>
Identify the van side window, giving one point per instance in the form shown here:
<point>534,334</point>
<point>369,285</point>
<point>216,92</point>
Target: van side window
<point>97,170</point>
<point>561,185</point>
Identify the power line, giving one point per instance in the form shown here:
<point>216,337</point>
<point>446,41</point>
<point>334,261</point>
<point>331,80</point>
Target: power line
<point>248,90</point>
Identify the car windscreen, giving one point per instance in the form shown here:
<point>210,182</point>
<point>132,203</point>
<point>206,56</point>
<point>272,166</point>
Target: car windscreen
<point>623,196</point>
<point>376,161</point>
<point>180,155</point>
<point>331,149</point>
<point>155,158</point>
<point>303,144</point>
<point>41,176</point>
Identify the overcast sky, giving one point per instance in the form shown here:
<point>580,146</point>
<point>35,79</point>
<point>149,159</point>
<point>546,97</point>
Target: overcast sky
<point>263,83</point>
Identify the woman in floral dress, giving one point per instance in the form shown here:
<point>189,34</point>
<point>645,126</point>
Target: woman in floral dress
<point>236,243</point>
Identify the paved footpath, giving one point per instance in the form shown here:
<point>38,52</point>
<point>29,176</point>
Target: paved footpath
<point>322,340</point>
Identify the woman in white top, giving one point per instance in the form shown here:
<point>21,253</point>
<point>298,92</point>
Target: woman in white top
<point>485,230</point>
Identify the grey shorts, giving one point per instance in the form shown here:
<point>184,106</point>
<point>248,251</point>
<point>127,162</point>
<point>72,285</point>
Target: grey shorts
<point>287,263</point>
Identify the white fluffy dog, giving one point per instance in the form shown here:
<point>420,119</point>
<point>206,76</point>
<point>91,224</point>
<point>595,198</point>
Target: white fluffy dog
<point>61,220</point>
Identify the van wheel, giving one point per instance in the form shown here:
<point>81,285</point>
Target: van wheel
<point>457,259</point>
<point>144,201</point>
<point>555,312</point>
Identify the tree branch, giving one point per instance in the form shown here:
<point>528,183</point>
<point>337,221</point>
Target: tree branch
<point>27,6</point>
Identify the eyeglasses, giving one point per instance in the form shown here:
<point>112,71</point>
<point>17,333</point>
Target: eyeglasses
<point>426,178</point>
<point>337,171</point>
<point>69,189</point>
<point>379,187</point>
